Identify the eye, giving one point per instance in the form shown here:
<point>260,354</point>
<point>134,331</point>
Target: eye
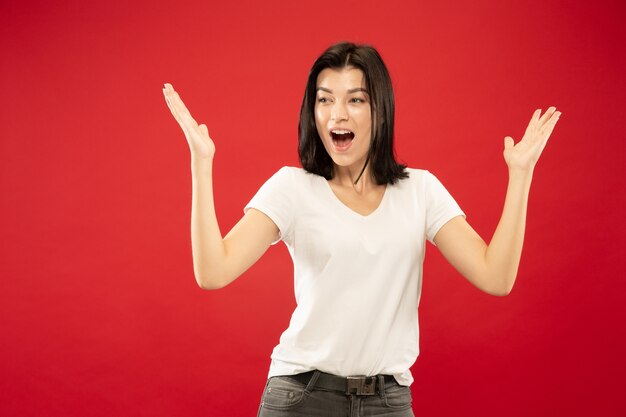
<point>322,100</point>
<point>356,100</point>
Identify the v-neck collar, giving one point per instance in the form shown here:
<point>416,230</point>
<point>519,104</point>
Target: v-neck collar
<point>347,209</point>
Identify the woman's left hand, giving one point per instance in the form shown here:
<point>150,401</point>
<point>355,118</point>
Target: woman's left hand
<point>525,154</point>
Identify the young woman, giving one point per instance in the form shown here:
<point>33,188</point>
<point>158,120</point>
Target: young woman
<point>355,223</point>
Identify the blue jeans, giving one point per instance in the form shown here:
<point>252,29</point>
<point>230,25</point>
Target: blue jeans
<point>286,397</point>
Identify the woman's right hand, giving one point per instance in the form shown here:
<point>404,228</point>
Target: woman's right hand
<point>200,144</point>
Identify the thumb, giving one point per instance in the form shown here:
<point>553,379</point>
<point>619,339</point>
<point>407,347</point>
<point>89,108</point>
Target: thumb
<point>204,129</point>
<point>508,143</point>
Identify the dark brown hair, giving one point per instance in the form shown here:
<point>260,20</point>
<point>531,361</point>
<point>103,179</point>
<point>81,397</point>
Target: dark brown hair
<point>313,155</point>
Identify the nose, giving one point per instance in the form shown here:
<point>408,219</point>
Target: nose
<point>338,112</point>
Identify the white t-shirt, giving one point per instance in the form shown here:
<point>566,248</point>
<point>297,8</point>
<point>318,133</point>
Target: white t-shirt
<point>357,278</point>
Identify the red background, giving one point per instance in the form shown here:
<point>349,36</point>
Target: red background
<point>100,314</point>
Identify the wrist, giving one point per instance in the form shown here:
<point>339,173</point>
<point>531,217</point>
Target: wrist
<point>521,172</point>
<point>520,178</point>
<point>201,164</point>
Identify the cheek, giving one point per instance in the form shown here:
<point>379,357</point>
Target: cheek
<point>365,122</point>
<point>320,121</point>
<point>363,116</point>
<point>319,114</point>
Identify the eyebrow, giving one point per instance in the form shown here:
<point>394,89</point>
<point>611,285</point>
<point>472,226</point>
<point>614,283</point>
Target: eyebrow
<point>350,91</point>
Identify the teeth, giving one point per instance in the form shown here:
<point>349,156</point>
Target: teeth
<point>341,132</point>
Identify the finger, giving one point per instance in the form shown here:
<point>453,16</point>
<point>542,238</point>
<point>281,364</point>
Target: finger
<point>547,115</point>
<point>167,93</point>
<point>547,129</point>
<point>532,125</point>
<point>173,99</point>
<point>171,107</point>
<point>182,109</point>
<point>508,143</point>
<point>179,110</point>
<point>535,116</point>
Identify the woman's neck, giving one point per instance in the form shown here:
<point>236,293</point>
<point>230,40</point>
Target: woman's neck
<point>351,177</point>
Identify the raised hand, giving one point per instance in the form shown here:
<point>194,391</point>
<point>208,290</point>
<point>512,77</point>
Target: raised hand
<point>200,144</point>
<point>524,155</point>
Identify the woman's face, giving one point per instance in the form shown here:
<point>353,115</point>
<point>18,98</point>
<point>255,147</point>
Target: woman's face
<point>343,116</point>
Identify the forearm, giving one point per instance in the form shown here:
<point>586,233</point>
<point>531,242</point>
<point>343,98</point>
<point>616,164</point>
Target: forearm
<point>206,238</point>
<point>502,256</point>
<point>493,267</point>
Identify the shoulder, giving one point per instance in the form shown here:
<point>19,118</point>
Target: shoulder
<point>297,175</point>
<point>292,179</point>
<point>417,177</point>
<point>286,173</point>
<point>419,182</point>
<point>416,173</point>
<point>289,170</point>
<point>422,176</point>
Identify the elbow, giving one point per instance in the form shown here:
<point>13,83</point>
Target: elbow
<point>499,285</point>
<point>502,290</point>
<point>210,283</point>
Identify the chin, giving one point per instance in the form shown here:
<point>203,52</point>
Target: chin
<point>348,162</point>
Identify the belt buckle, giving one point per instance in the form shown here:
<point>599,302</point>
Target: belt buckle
<point>361,385</point>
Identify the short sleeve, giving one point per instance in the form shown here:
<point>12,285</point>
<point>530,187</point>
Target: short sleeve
<point>275,199</point>
<point>440,206</point>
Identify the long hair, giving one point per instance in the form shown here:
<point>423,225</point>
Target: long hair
<point>313,155</point>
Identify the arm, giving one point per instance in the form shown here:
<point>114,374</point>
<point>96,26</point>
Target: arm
<point>217,262</point>
<point>493,268</point>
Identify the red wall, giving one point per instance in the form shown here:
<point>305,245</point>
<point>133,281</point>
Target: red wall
<point>100,314</point>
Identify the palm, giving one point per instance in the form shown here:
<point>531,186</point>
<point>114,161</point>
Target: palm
<point>525,154</point>
<point>200,143</point>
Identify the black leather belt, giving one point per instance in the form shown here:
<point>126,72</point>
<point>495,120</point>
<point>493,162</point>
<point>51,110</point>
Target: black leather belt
<point>352,385</point>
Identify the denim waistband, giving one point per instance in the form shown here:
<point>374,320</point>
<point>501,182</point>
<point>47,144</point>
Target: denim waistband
<point>359,385</point>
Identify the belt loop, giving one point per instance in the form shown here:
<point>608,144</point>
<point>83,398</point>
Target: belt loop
<point>381,386</point>
<point>312,382</point>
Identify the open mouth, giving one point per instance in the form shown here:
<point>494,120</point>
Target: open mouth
<point>342,138</point>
